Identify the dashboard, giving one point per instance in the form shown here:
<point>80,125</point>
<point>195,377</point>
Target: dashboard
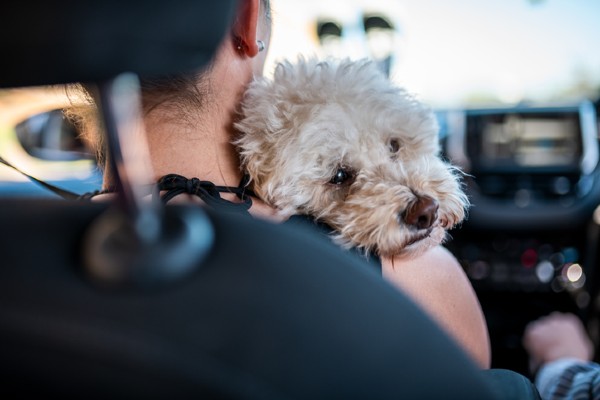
<point>530,243</point>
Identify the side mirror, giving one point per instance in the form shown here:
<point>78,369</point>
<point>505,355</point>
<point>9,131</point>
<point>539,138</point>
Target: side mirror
<point>50,136</point>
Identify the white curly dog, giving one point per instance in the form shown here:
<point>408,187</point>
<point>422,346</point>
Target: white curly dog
<point>337,140</point>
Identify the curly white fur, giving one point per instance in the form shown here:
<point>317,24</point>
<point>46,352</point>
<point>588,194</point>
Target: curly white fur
<point>315,118</point>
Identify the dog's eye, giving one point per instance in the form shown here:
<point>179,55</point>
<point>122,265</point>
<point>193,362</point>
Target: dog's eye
<point>394,145</point>
<point>342,176</point>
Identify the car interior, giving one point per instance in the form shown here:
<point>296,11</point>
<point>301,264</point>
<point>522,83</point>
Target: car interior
<point>132,298</point>
<point>530,244</point>
<point>127,298</point>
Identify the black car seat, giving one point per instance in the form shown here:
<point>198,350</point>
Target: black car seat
<point>217,305</point>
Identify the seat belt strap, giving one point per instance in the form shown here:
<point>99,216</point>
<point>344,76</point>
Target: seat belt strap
<point>65,194</point>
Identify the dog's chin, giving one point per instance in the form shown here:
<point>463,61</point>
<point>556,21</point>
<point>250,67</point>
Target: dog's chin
<point>418,244</point>
<point>419,237</point>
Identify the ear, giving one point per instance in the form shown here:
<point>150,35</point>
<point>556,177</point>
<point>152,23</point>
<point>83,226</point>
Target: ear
<point>245,26</point>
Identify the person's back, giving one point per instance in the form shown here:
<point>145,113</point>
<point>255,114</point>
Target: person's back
<point>272,313</point>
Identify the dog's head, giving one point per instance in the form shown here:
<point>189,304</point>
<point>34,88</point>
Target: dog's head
<point>338,141</point>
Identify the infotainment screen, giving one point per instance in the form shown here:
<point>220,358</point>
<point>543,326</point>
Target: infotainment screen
<point>531,140</point>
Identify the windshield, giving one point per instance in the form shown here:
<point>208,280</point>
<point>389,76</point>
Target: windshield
<point>457,52</point>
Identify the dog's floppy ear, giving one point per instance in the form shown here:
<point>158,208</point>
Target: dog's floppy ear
<point>257,127</point>
<point>267,130</point>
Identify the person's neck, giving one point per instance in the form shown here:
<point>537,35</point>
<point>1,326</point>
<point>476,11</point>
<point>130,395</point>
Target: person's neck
<point>194,149</point>
<point>197,143</point>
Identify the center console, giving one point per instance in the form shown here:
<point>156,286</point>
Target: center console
<point>529,244</point>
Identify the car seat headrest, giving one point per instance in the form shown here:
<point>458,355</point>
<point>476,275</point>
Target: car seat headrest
<point>57,42</point>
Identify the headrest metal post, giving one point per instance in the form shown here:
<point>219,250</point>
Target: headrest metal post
<point>128,151</point>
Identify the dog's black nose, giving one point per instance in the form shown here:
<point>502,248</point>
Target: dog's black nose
<point>422,213</point>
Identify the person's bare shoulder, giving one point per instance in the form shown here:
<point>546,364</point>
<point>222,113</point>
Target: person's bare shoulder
<point>437,282</point>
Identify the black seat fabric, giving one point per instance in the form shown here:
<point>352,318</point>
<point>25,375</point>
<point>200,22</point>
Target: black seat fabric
<point>273,313</point>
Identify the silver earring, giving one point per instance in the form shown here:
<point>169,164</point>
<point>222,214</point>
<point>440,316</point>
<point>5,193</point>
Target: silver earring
<point>261,45</point>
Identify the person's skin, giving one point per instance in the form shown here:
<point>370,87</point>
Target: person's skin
<point>200,146</point>
<point>437,283</point>
<point>556,336</point>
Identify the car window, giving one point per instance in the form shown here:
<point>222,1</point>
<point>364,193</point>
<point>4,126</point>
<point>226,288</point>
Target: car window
<point>32,134</point>
<point>459,52</point>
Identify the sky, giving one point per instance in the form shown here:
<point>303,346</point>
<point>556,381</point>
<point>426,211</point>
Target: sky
<point>449,52</point>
